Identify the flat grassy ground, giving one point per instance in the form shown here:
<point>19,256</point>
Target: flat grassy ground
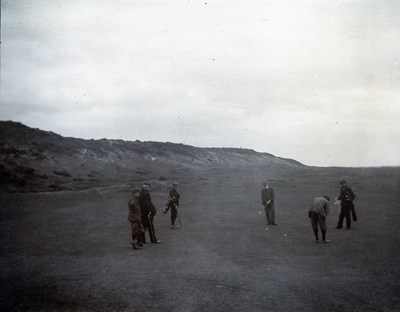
<point>70,251</point>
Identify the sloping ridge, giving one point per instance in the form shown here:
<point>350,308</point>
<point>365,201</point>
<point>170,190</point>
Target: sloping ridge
<point>35,155</point>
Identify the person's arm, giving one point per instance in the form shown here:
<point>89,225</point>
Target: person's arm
<point>131,207</point>
<point>174,196</point>
<point>263,198</point>
<point>326,208</point>
<point>352,195</point>
<point>153,210</point>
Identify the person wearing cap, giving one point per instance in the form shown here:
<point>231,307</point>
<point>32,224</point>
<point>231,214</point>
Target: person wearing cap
<point>317,213</point>
<point>346,198</point>
<point>173,204</point>
<point>148,211</point>
<point>135,219</point>
<point>267,200</point>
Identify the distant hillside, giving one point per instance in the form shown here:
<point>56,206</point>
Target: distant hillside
<point>37,160</point>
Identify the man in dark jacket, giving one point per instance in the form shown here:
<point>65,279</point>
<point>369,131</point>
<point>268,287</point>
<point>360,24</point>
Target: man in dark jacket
<point>135,219</point>
<point>267,200</point>
<point>173,204</point>
<point>346,198</point>
<point>148,212</point>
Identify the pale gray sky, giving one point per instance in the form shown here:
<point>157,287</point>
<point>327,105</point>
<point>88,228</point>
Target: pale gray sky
<point>317,81</point>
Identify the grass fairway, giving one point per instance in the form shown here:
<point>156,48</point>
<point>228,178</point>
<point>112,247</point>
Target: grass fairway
<point>70,251</point>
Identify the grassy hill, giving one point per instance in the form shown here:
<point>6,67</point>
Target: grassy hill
<point>37,160</point>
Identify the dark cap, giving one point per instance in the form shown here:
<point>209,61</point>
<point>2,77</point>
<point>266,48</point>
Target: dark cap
<point>342,182</point>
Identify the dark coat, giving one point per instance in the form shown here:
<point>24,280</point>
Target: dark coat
<point>173,198</point>
<point>134,210</point>
<point>267,194</point>
<point>346,195</point>
<point>146,205</point>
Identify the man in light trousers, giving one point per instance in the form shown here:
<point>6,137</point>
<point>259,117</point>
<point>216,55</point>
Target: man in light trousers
<point>317,213</point>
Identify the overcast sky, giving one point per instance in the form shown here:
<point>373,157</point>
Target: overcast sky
<point>317,81</point>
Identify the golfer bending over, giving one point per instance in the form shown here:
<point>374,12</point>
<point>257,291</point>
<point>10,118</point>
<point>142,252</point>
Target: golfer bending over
<point>318,211</point>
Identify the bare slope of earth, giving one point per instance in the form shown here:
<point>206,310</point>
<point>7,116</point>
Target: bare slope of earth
<point>37,160</point>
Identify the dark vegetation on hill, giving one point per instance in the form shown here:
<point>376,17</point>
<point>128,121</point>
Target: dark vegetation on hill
<point>35,160</point>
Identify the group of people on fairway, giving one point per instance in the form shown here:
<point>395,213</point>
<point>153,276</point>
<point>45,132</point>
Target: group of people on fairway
<point>318,211</point>
<point>142,212</point>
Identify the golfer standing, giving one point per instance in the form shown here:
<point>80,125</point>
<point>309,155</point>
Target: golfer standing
<point>173,204</point>
<point>267,200</point>
<point>148,211</point>
<point>135,219</point>
<point>317,213</point>
<point>346,198</point>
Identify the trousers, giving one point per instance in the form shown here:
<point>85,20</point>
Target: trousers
<point>174,214</point>
<point>270,213</point>
<point>345,213</point>
<point>317,219</point>
<point>149,226</point>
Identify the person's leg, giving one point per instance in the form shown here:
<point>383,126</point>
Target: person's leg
<point>272,209</point>
<point>316,235</point>
<point>140,233</point>
<point>322,226</point>
<point>136,240</point>
<point>132,232</point>
<point>353,212</point>
<point>348,217</point>
<point>267,214</point>
<point>153,238</point>
<point>341,216</point>
<point>139,238</point>
<point>145,223</point>
<point>314,224</point>
<point>174,214</point>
